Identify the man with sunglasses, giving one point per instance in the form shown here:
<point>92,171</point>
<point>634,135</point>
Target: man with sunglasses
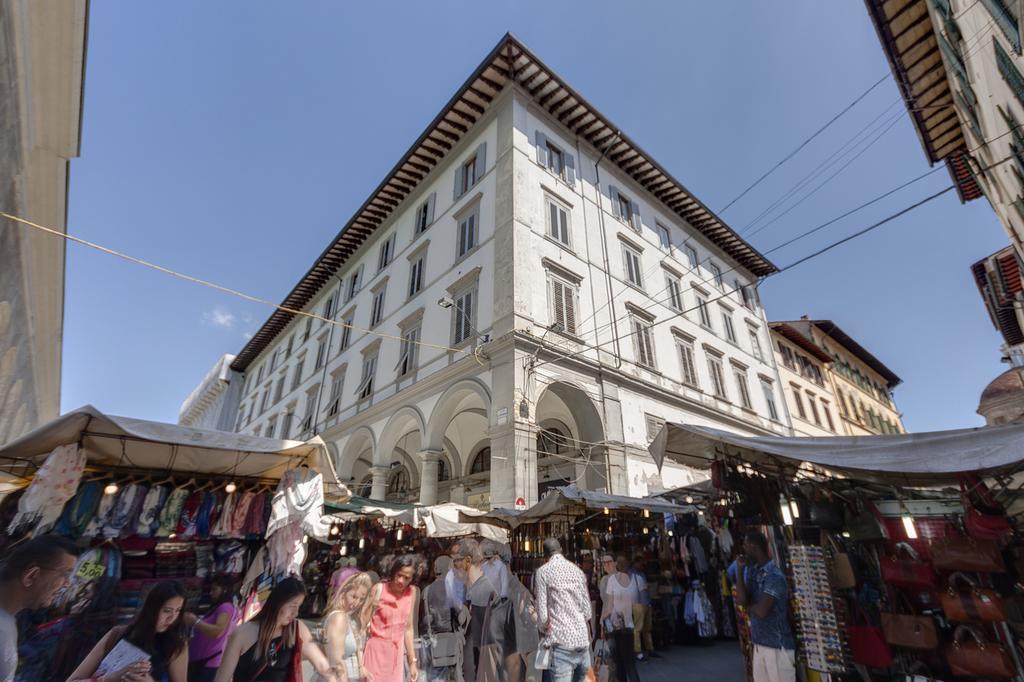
<point>761,587</point>
<point>30,578</point>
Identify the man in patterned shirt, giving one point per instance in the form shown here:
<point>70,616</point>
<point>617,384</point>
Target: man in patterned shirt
<point>761,587</point>
<point>563,614</point>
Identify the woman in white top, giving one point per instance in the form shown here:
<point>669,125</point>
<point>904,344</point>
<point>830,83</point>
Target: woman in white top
<point>342,631</point>
<point>619,594</point>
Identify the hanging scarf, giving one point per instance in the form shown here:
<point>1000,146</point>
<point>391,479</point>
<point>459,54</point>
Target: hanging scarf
<point>253,528</point>
<point>149,516</point>
<point>53,484</point>
<point>171,512</point>
<point>189,515</point>
<point>239,513</point>
<point>299,497</point>
<point>95,527</point>
<point>126,509</point>
<point>222,527</point>
<point>206,518</point>
<point>80,510</point>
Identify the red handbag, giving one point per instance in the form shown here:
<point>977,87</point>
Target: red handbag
<point>907,573</point>
<point>973,605</point>
<point>867,643</point>
<point>978,659</point>
<point>979,524</point>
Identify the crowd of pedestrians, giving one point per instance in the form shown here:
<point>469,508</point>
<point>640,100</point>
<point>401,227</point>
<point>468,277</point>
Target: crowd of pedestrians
<point>473,621</point>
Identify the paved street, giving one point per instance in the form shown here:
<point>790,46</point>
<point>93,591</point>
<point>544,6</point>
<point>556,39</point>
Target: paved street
<point>720,662</point>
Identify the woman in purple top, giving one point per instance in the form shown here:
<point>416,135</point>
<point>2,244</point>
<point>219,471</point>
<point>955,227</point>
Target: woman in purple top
<point>210,633</point>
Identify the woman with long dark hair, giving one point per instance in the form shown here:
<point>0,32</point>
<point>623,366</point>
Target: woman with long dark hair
<point>271,646</point>
<point>388,616</point>
<point>210,633</point>
<point>158,629</point>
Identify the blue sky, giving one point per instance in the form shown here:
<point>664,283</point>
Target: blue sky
<point>232,140</point>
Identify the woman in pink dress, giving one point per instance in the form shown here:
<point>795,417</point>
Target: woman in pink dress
<point>389,613</point>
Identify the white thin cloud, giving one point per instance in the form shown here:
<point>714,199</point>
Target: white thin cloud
<point>220,317</point>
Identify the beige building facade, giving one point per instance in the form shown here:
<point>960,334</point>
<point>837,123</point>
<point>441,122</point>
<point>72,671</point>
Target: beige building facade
<point>806,382</point>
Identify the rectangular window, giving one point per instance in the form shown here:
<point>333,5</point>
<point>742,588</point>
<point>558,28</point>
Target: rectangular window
<point>286,424</point>
<point>377,312</point>
<point>686,362</point>
<point>788,360</point>
<point>334,401</point>
<point>562,302</point>
<point>241,418</point>
<point>308,330</point>
<point>702,310</point>
<point>717,376</point>
<point>259,373</point>
<point>798,401</point>
<point>269,433</point>
<point>328,309</point>
<point>471,170</point>
<point>812,403</point>
<point>425,214</point>
<point>265,402</point>
<point>742,386</point>
<point>467,234</point>
<point>664,236</point>
<point>365,389</point>
<point>297,377</point>
<point>654,426</point>
<point>321,353</point>
<point>828,415</point>
<point>558,222</point>
<point>749,297</point>
<point>631,263</point>
<point>273,361</point>
<point>691,255</point>
<point>556,160</point>
<point>643,343</point>
<point>346,331</point>
<point>769,399</point>
<point>416,275</point>
<point>716,272</point>
<point>288,348</point>
<point>408,351</point>
<point>730,331</point>
<point>279,390</point>
<point>675,293</point>
<point>387,252</point>
<point>464,317</point>
<point>755,343</point>
<point>354,283</point>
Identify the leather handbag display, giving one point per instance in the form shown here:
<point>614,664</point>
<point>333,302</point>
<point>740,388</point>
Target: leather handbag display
<point>972,605</point>
<point>903,569</point>
<point>978,659</point>
<point>867,524</point>
<point>979,522</point>
<point>867,643</point>
<point>961,553</point>
<point>827,513</point>
<point>909,630</point>
<point>843,577</point>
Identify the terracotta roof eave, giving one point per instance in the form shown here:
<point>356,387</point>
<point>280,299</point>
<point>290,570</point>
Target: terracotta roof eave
<point>795,337</point>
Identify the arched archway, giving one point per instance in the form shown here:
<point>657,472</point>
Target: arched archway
<point>406,420</point>
<point>570,439</point>
<point>467,395</point>
<point>358,443</point>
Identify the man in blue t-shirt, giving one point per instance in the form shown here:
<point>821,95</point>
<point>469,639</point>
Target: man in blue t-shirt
<point>761,587</point>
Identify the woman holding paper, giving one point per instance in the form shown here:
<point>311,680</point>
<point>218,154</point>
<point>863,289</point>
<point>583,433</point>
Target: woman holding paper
<point>271,646</point>
<point>151,648</point>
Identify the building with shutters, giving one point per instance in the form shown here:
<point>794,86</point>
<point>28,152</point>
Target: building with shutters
<point>959,67</point>
<point>1000,280</point>
<point>42,53</point>
<point>806,383</point>
<point>860,384</point>
<point>521,303</point>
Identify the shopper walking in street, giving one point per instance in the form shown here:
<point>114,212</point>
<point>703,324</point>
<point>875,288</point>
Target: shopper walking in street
<point>761,587</point>
<point>31,576</point>
<point>643,643</point>
<point>271,646</point>
<point>210,633</point>
<point>522,638</point>
<point>443,652</point>
<point>563,615</point>
<point>158,629</point>
<point>389,616</point>
<point>342,628</point>
<point>621,593</point>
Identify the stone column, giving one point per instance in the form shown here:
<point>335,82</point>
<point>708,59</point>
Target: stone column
<point>428,478</point>
<point>379,489</point>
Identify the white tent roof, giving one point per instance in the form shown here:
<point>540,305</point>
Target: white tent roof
<point>920,459</point>
<point>162,447</point>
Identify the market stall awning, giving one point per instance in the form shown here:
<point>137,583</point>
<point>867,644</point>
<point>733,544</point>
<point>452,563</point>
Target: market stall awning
<point>568,499</point>
<point>909,459</point>
<point>363,506</point>
<point>125,442</point>
<point>446,520</point>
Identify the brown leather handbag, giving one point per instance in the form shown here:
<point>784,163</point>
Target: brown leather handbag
<point>972,605</point>
<point>978,659</point>
<point>909,630</point>
<point>904,569</point>
<point>967,554</point>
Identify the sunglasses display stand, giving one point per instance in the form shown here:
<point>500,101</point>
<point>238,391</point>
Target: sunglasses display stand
<point>819,625</point>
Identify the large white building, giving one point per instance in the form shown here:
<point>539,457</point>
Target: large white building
<point>522,302</point>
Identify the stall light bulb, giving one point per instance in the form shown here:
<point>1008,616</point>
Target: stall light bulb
<point>671,533</point>
<point>230,488</point>
<point>689,499</point>
<point>787,517</point>
<point>344,549</point>
<point>334,530</point>
<point>606,511</point>
<point>647,513</point>
<point>111,489</point>
<point>398,535</point>
<point>646,530</point>
<point>362,543</point>
<point>172,535</point>
<point>526,545</point>
<point>794,509</point>
<point>909,527</point>
<point>845,533</point>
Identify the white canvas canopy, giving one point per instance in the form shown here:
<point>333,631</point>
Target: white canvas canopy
<point>162,447</point>
<point>914,459</point>
<point>446,520</point>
